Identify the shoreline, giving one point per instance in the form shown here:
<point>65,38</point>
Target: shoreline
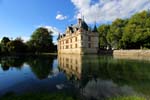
<point>132,54</point>
<point>138,53</point>
<point>28,54</point>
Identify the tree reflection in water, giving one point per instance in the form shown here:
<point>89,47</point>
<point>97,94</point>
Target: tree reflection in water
<point>7,62</point>
<point>41,66</point>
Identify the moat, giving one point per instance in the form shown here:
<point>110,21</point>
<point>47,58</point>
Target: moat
<point>89,77</point>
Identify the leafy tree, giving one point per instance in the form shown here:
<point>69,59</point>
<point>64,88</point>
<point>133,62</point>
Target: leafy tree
<point>103,31</point>
<point>136,32</point>
<point>133,33</point>
<point>0,48</point>
<point>115,33</point>
<point>41,41</point>
<point>17,46</point>
<point>4,41</point>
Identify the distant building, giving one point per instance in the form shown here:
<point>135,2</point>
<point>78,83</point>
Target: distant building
<point>79,39</point>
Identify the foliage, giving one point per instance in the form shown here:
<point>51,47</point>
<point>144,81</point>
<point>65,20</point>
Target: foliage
<point>4,42</point>
<point>103,31</point>
<point>133,33</point>
<point>41,41</point>
<point>16,46</point>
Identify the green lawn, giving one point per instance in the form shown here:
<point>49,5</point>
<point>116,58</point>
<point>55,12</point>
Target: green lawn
<point>128,98</point>
<point>37,96</point>
<point>57,96</point>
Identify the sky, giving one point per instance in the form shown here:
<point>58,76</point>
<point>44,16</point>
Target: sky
<point>20,18</point>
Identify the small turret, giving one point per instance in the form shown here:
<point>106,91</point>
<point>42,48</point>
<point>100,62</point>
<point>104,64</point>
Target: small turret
<point>95,28</point>
<point>79,22</point>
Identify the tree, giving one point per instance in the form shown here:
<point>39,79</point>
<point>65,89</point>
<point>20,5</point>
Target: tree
<point>17,46</point>
<point>41,41</point>
<point>136,34</point>
<point>4,41</point>
<point>132,33</point>
<point>116,32</point>
<point>103,31</point>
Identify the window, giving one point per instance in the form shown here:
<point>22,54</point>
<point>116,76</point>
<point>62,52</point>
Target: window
<point>76,62</point>
<point>66,41</point>
<point>89,38</point>
<point>76,39</point>
<point>81,37</point>
<point>76,68</point>
<point>70,46</point>
<point>71,60</point>
<point>71,40</point>
<point>66,46</point>
<point>71,66</point>
<point>76,45</point>
<point>67,59</point>
<point>81,43</point>
<point>89,45</point>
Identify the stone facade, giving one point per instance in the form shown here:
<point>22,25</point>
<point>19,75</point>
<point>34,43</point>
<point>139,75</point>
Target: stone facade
<point>78,39</point>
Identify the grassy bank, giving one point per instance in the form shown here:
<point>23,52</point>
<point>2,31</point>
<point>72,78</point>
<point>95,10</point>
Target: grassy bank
<point>37,96</point>
<point>128,98</point>
<point>58,96</point>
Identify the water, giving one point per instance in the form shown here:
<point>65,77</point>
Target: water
<point>87,76</point>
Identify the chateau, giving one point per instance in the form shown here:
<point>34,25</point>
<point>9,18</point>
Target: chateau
<point>78,39</point>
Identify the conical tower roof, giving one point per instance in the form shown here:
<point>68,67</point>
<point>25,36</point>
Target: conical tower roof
<point>95,29</point>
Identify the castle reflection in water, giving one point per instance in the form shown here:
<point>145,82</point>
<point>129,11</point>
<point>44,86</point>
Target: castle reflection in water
<point>71,65</point>
<point>95,76</point>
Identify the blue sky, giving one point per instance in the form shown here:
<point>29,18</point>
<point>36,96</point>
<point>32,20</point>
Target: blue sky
<point>19,18</point>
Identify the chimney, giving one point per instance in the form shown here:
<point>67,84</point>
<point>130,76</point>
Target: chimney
<point>79,21</point>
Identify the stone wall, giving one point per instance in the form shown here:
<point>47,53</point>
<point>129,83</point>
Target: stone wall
<point>132,54</point>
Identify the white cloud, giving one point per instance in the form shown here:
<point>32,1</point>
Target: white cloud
<point>61,17</point>
<point>25,38</point>
<point>108,10</point>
